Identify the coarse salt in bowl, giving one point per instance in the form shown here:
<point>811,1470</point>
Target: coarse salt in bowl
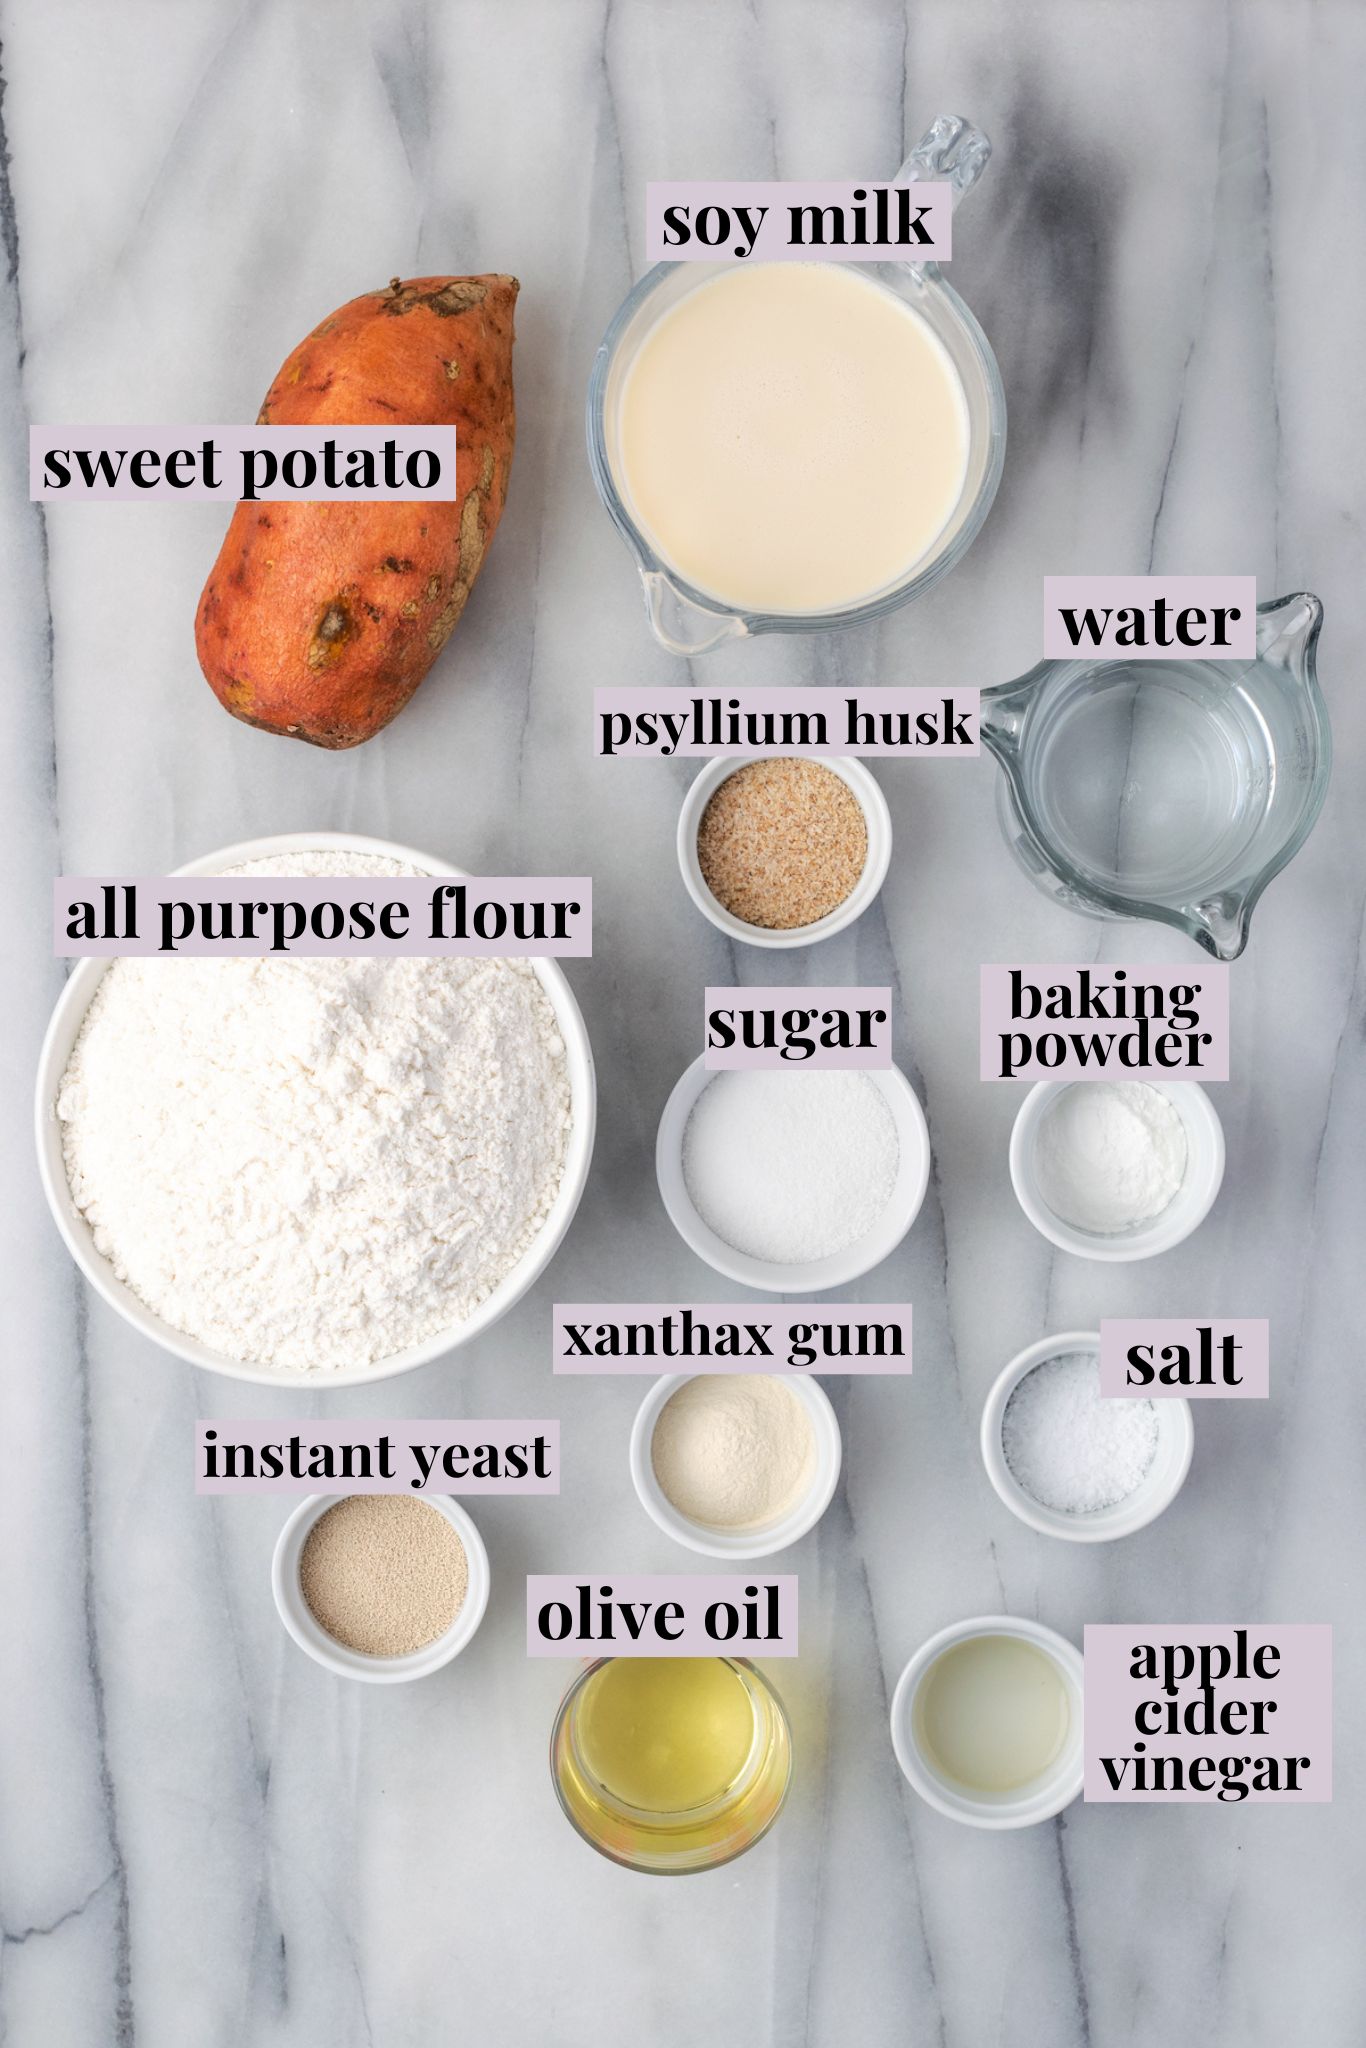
<point>877,820</point>
<point>803,1275</point>
<point>64,1029</point>
<point>1155,1490</point>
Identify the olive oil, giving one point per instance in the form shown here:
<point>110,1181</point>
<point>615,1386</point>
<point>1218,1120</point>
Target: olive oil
<point>992,1713</point>
<point>671,1763</point>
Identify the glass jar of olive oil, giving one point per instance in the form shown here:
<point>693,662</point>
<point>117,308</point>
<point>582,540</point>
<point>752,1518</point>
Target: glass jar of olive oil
<point>671,1764</point>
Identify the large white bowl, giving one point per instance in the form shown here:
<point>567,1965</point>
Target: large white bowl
<point>69,1015</point>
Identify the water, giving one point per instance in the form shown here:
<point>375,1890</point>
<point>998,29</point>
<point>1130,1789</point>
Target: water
<point>1153,781</point>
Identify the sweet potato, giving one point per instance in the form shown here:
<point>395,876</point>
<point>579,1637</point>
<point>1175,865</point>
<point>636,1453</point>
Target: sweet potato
<point>320,620</point>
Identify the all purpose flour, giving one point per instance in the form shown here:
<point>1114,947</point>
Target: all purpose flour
<point>315,1163</point>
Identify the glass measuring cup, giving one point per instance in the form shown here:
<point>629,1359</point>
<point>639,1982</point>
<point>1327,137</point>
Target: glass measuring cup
<point>671,1839</point>
<point>1171,790</point>
<point>689,621</point>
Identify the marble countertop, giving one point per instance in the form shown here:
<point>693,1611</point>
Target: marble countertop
<point>203,1839</point>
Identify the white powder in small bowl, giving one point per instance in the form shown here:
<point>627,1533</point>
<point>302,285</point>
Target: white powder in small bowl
<point>733,1450</point>
<point>1068,1446</point>
<point>1110,1155</point>
<point>790,1167</point>
<point>315,1163</point>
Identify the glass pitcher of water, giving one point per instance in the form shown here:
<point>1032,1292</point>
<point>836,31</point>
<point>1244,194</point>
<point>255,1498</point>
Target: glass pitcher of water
<point>1172,790</point>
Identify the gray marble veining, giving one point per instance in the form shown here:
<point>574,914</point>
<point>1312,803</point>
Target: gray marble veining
<point>203,1840</point>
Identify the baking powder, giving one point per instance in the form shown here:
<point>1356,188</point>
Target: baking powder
<point>1109,1155</point>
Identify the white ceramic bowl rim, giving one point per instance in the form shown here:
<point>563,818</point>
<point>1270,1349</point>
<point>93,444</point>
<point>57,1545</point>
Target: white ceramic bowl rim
<point>1185,1212</point>
<point>335,1657</point>
<point>65,1022</point>
<point>876,817</point>
<point>1057,1788</point>
<point>769,1537</point>
<point>1155,1491</point>
<point>839,1269</point>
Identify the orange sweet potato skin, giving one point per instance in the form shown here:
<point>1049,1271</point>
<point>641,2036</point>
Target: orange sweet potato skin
<point>320,620</point>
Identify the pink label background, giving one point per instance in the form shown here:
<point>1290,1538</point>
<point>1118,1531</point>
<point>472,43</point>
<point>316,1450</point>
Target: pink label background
<point>1210,978</point>
<point>1095,593</point>
<point>416,891</point>
<point>694,1590</point>
<point>843,1058</point>
<point>231,443</point>
<point>891,700</point>
<point>336,1430</point>
<point>1117,1333</point>
<point>781,1319</point>
<point>1301,1726</point>
<point>771,244</point>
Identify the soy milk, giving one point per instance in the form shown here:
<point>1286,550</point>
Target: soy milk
<point>792,437</point>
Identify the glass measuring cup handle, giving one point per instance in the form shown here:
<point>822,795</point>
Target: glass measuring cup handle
<point>679,623</point>
<point>1004,709</point>
<point>950,152</point>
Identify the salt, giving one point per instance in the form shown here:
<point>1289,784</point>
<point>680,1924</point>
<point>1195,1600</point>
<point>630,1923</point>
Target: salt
<point>790,1167</point>
<point>1069,1448</point>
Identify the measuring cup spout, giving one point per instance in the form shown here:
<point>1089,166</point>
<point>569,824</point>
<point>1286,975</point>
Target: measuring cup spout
<point>682,625</point>
<point>1287,633</point>
<point>1220,923</point>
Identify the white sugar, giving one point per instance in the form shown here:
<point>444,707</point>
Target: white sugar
<point>1068,1447</point>
<point>790,1167</point>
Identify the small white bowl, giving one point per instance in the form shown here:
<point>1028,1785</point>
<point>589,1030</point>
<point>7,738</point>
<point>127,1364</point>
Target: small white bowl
<point>1047,1795</point>
<point>812,1275</point>
<point>768,1537</point>
<point>64,1028</point>
<point>1156,1490</point>
<point>335,1657</point>
<point>1185,1212</point>
<point>876,817</point>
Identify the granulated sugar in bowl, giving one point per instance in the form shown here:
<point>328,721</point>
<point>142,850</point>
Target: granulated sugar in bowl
<point>790,1167</point>
<point>792,1182</point>
<point>328,1167</point>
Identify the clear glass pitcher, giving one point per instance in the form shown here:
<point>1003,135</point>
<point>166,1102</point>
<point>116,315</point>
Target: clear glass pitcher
<point>689,621</point>
<point>1172,790</point>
